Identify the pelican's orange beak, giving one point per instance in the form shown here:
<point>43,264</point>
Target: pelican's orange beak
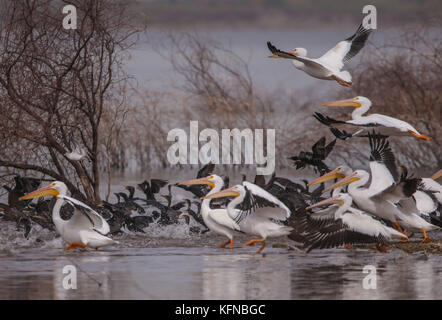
<point>45,191</point>
<point>347,180</point>
<point>343,103</point>
<point>332,200</point>
<point>437,175</point>
<point>198,181</point>
<point>222,194</point>
<point>334,174</point>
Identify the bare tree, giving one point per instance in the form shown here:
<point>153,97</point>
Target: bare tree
<point>55,85</point>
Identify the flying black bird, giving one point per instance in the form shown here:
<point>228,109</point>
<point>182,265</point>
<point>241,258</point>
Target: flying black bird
<point>319,153</point>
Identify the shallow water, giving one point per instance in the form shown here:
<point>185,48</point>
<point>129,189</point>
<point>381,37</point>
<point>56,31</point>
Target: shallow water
<point>184,266</point>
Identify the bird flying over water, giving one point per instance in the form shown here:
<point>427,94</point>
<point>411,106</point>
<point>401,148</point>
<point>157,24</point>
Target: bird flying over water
<point>328,66</point>
<point>385,125</point>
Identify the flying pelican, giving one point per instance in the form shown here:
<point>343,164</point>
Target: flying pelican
<point>349,226</point>
<point>385,125</point>
<point>85,228</point>
<point>257,208</point>
<point>327,67</point>
<point>217,220</point>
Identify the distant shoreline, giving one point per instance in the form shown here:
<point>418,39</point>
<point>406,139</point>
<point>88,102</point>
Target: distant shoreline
<point>250,14</point>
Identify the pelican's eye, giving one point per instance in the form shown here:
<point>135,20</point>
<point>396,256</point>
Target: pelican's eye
<point>211,177</point>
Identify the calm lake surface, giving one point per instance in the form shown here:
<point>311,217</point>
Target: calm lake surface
<point>206,272</point>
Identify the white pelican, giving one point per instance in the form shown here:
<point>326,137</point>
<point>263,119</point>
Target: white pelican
<point>428,199</point>
<point>431,185</point>
<point>85,228</point>
<point>338,173</point>
<point>386,189</point>
<point>257,207</point>
<point>349,226</point>
<point>385,125</point>
<point>217,220</point>
<point>382,203</point>
<point>328,66</point>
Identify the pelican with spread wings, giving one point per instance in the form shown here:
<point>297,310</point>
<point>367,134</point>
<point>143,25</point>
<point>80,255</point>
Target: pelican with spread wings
<point>253,209</point>
<point>388,195</point>
<point>329,66</point>
<point>86,228</point>
<point>348,226</point>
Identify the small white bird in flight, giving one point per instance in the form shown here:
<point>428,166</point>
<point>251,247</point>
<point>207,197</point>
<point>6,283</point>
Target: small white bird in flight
<point>328,66</point>
<point>77,154</point>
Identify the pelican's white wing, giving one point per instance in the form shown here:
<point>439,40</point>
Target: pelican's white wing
<point>365,224</point>
<point>381,177</point>
<point>424,203</point>
<point>86,217</point>
<point>221,217</point>
<point>352,227</point>
<point>429,184</point>
<point>346,49</point>
<point>382,164</point>
<point>278,211</point>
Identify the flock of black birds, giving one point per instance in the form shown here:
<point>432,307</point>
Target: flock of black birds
<point>133,214</point>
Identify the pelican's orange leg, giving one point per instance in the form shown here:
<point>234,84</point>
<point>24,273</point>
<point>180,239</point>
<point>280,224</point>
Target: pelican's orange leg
<point>426,238</point>
<point>419,136</point>
<point>226,243</point>
<point>252,242</point>
<point>397,227</point>
<point>341,82</point>
<point>347,246</point>
<point>75,245</point>
<point>381,247</point>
